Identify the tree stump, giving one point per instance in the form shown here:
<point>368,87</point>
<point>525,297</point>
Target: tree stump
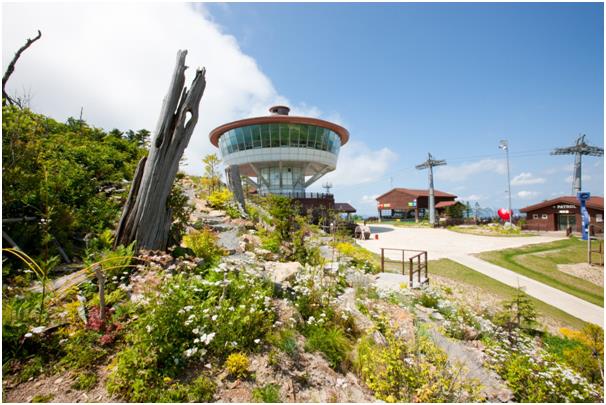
<point>146,218</point>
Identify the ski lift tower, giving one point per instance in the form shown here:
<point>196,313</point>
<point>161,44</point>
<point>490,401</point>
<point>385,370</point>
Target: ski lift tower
<point>578,150</point>
<point>429,164</point>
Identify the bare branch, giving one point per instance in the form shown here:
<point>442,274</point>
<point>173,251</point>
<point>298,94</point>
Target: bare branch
<point>11,68</point>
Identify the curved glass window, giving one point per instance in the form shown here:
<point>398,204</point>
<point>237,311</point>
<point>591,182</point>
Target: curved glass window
<point>279,135</point>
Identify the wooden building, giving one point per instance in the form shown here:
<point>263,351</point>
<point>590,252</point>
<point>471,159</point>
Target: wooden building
<point>559,213</point>
<point>411,203</point>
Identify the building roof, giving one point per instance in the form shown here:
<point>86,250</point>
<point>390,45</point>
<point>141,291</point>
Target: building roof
<point>593,202</point>
<point>444,204</point>
<point>279,118</point>
<point>417,193</point>
<point>344,207</point>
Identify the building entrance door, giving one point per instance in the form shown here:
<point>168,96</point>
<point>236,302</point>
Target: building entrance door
<point>566,220</point>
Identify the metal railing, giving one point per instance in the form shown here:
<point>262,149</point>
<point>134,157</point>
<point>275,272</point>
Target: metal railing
<point>302,195</point>
<point>416,264</point>
<point>590,249</point>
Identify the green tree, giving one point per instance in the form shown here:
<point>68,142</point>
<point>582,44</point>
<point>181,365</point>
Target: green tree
<point>212,176</point>
<point>69,172</point>
<point>455,211</point>
<point>519,312</point>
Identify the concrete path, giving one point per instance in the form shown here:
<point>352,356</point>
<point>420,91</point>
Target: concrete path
<point>575,306</point>
<point>442,243</point>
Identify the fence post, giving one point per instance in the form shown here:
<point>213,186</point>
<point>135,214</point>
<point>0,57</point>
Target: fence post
<point>410,273</point>
<point>403,263</point>
<point>382,259</point>
<point>101,282</point>
<point>426,265</point>
<point>419,268</point>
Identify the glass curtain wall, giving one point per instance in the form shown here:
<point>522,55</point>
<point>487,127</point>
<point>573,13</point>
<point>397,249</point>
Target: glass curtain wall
<point>279,135</point>
<point>285,180</point>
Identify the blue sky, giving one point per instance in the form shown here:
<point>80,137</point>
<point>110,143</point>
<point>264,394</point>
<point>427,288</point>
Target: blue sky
<point>450,79</point>
<point>405,79</point>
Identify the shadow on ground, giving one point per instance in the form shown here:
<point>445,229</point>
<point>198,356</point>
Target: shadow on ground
<point>380,229</point>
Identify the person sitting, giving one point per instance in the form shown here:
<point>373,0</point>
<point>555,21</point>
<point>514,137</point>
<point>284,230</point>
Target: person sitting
<point>358,232</point>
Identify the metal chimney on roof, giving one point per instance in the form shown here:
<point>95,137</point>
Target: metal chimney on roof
<point>279,110</point>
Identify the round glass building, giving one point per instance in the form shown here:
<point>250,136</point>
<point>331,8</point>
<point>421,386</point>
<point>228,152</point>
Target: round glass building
<point>279,153</point>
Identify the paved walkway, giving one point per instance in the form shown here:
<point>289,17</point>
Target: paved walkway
<point>442,243</point>
<point>568,303</point>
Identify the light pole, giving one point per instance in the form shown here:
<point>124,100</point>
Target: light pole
<point>503,144</point>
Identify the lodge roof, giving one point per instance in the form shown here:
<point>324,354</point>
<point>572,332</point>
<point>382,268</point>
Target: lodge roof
<point>344,207</point>
<point>444,204</point>
<point>417,193</point>
<point>593,202</point>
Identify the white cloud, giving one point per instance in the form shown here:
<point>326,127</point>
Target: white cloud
<point>472,197</point>
<point>584,177</point>
<point>370,200</point>
<point>462,172</point>
<point>358,164</point>
<point>526,178</point>
<point>115,60</point>
<point>527,194</point>
<point>557,169</point>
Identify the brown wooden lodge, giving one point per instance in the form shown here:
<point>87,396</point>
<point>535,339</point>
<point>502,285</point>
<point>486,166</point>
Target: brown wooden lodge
<point>559,213</point>
<point>405,203</point>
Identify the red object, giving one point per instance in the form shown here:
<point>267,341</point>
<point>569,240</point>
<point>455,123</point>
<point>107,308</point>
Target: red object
<point>504,214</point>
<point>376,236</point>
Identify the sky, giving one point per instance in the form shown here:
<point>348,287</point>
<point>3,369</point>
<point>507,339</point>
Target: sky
<point>405,80</point>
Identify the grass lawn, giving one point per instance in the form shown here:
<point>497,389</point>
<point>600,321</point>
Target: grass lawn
<point>448,269</point>
<point>464,275</point>
<point>539,262</point>
<point>488,231</point>
<point>403,224</point>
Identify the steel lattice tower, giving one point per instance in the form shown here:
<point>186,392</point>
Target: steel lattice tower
<point>578,150</point>
<point>429,164</point>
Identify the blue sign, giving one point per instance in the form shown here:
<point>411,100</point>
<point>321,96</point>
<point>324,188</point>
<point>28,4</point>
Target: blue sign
<point>583,197</point>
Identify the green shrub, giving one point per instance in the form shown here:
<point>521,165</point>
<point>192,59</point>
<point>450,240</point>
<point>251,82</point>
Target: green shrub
<point>232,211</point>
<point>360,257</point>
<point>204,245</point>
<point>220,199</point>
<point>519,312</point>
<point>178,202</point>
<point>201,389</point>
<point>85,381</point>
<point>19,315</point>
<point>70,170</point>
<point>402,373</point>
<point>42,398</point>
<point>270,241</point>
<point>269,393</point>
<point>82,350</point>
<point>237,365</point>
<point>193,318</point>
<point>33,367</point>
<point>285,340</point>
<point>429,300</point>
<point>330,341</point>
<point>534,375</point>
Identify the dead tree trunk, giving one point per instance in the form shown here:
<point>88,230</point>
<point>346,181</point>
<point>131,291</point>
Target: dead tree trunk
<point>11,68</point>
<point>146,218</point>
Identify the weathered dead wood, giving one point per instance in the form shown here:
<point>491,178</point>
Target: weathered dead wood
<point>101,282</point>
<point>11,68</point>
<point>146,218</point>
